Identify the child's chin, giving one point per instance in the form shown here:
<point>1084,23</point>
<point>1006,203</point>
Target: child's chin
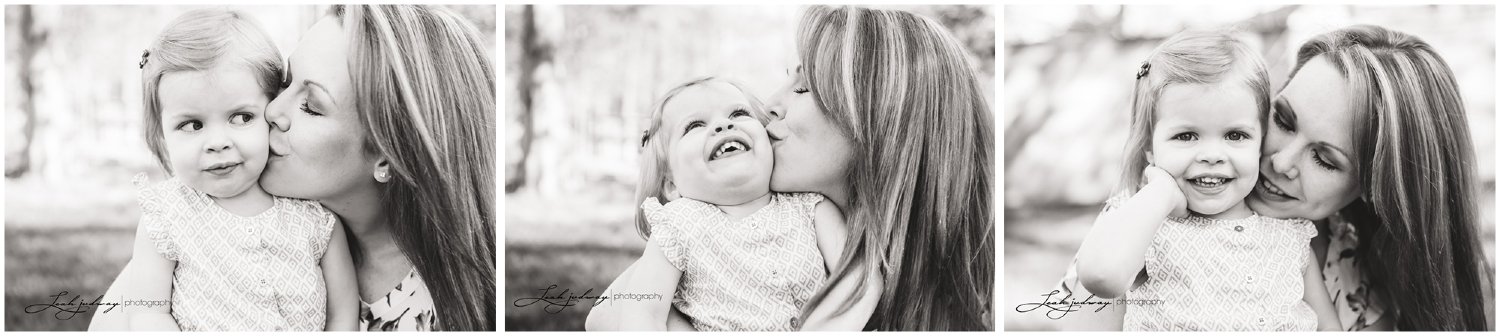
<point>1209,207</point>
<point>225,189</point>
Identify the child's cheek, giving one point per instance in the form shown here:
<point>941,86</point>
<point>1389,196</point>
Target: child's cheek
<point>1173,160</point>
<point>182,152</point>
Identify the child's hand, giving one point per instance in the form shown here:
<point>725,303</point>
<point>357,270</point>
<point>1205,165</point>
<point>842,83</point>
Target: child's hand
<point>1156,175</point>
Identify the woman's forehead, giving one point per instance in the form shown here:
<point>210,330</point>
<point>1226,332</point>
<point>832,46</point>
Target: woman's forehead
<point>1318,95</point>
<point>323,56</point>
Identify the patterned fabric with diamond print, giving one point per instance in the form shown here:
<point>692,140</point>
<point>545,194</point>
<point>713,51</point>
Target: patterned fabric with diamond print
<point>752,274</point>
<point>1210,274</point>
<point>257,273</point>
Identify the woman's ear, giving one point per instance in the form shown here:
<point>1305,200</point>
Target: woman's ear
<point>1150,159</point>
<point>383,171</point>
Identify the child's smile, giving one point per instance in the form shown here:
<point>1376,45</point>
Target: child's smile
<point>1208,137</point>
<point>713,142</point>
<point>729,146</point>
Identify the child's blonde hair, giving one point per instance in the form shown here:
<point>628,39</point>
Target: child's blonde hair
<point>654,170</point>
<point>1189,57</point>
<point>200,40</point>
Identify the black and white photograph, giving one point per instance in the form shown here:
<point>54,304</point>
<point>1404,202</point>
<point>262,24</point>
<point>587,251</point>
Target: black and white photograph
<point>1249,168</point>
<point>250,168</point>
<point>750,168</point>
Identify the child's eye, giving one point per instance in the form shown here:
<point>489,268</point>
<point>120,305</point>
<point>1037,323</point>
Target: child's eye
<point>1237,136</point>
<point>799,90</point>
<point>189,126</point>
<point>1185,136</point>
<point>308,109</point>
<point>739,113</point>
<point>691,126</point>
<point>241,118</point>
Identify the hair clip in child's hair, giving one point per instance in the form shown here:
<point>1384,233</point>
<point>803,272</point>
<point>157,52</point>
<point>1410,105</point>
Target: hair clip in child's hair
<point>645,135</point>
<point>1145,69</point>
<point>144,54</point>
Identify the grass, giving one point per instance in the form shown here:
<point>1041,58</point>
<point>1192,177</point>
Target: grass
<point>579,269</point>
<point>40,263</point>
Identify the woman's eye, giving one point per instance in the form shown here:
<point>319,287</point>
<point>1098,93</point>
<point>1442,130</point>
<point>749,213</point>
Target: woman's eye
<point>1186,136</point>
<point>190,126</point>
<point>799,90</point>
<point>739,113</point>
<point>1281,122</point>
<point>691,126</point>
<point>241,118</point>
<point>308,109</point>
<point>1317,158</point>
<point>1237,136</point>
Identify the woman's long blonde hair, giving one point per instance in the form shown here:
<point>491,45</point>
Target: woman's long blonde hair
<point>425,90</point>
<point>921,202</point>
<point>1417,222</point>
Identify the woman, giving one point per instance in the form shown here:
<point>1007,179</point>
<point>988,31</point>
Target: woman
<point>886,118</point>
<point>388,120</point>
<point>900,136</point>
<point>1370,139</point>
<point>1403,162</point>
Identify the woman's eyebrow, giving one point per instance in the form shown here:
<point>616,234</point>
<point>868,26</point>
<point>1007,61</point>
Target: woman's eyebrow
<point>1284,110</point>
<point>314,84</point>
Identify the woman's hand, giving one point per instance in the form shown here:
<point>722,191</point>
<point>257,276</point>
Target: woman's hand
<point>1154,175</point>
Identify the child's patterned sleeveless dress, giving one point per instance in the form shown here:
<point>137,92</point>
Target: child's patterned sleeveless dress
<point>258,273</point>
<point>1210,274</point>
<point>753,274</point>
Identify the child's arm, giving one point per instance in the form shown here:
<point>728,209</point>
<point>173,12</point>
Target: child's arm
<point>606,316</point>
<point>338,276</point>
<point>107,318</point>
<point>832,234</point>
<point>148,277</point>
<point>1113,253</point>
<point>655,275</point>
<point>1316,296</point>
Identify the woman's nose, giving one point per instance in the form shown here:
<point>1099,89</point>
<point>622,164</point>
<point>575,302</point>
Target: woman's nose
<point>277,119</point>
<point>1284,160</point>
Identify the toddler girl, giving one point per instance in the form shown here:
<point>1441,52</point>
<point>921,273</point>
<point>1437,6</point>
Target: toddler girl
<point>227,255</point>
<point>738,256</point>
<point>1184,245</point>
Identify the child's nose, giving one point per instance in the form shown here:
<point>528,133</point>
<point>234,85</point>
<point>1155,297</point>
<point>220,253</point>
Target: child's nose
<point>722,124</point>
<point>218,145</point>
<point>1212,156</point>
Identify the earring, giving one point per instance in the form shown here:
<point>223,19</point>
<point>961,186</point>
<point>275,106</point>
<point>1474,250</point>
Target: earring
<point>382,176</point>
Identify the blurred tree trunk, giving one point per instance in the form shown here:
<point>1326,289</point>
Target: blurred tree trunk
<point>534,53</point>
<point>31,40</point>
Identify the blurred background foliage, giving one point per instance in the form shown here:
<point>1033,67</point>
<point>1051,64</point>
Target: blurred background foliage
<point>1068,74</point>
<point>578,82</point>
<point>73,141</point>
